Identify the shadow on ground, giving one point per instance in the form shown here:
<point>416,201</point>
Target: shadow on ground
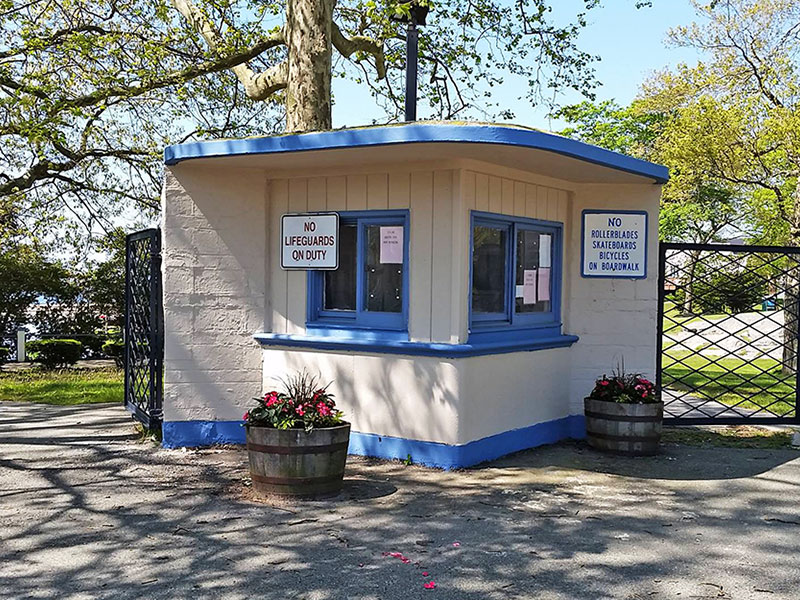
<point>86,512</point>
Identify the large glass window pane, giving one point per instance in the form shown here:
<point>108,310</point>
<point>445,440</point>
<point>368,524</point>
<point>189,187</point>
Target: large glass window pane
<point>340,285</point>
<point>489,269</point>
<point>533,272</point>
<point>383,290</point>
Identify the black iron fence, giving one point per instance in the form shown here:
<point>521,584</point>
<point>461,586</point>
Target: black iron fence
<point>727,333</point>
<point>144,327</point>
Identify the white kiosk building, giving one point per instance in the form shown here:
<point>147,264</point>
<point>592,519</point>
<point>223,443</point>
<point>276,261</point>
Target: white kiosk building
<point>486,275</point>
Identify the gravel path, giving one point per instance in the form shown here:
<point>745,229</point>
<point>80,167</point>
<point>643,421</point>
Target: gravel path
<point>88,512</point>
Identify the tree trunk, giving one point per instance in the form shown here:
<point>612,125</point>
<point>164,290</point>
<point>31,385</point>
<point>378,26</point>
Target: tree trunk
<point>791,301</point>
<point>308,90</point>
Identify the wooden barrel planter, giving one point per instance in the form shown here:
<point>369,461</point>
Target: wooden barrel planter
<point>291,462</point>
<point>630,429</point>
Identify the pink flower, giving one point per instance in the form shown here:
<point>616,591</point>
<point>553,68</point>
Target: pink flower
<point>299,410</point>
<point>604,382</point>
<point>246,415</point>
<point>430,585</point>
<point>424,573</point>
<point>323,409</point>
<point>456,544</point>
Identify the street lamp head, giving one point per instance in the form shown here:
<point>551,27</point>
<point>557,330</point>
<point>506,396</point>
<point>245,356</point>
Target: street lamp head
<point>418,11</point>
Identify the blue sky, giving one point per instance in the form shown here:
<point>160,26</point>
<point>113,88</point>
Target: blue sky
<point>630,42</point>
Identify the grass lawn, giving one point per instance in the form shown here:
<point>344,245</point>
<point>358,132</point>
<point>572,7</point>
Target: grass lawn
<point>674,322</point>
<point>718,380</point>
<point>68,386</point>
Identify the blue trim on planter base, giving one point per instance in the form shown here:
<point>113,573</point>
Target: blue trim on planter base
<point>177,434</point>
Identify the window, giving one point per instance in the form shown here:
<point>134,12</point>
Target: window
<point>370,287</point>
<point>516,275</point>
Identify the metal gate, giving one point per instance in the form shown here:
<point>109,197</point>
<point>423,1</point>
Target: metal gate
<point>727,334</point>
<point>144,327</point>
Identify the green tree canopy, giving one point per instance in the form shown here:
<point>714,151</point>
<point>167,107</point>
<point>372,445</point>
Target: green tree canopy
<point>91,93</point>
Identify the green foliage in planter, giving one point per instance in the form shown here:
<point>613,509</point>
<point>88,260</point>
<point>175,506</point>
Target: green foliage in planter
<point>4,354</point>
<point>115,348</point>
<point>302,404</point>
<point>52,354</point>
<point>624,388</point>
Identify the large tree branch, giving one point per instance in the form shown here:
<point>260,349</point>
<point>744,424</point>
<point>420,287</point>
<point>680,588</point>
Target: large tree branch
<point>54,38</point>
<point>359,43</point>
<point>48,168</point>
<point>216,65</point>
<point>257,86</point>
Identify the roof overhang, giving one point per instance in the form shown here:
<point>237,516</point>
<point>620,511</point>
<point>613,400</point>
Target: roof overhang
<point>511,146</point>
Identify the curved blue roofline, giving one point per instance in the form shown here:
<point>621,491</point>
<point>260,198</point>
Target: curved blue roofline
<point>414,134</point>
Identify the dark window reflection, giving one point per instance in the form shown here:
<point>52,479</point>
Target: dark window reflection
<point>488,269</point>
<point>384,282</point>
<point>340,285</point>
<point>533,257</point>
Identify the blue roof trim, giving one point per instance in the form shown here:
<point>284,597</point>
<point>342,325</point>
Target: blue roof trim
<point>415,134</point>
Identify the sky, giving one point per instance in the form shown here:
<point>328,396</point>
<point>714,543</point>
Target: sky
<point>630,42</point>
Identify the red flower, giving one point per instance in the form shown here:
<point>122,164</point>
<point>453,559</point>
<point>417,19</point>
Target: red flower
<point>604,382</point>
<point>430,585</point>
<point>246,415</point>
<point>299,410</point>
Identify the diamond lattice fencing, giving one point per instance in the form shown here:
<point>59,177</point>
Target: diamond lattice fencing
<point>144,329</point>
<point>727,333</point>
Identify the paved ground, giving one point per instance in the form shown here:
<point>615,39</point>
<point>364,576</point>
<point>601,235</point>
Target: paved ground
<point>94,363</point>
<point>88,512</point>
<point>684,405</point>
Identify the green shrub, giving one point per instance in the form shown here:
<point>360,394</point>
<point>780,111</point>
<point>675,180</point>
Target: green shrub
<point>729,291</point>
<point>114,348</point>
<point>52,354</point>
<point>4,354</point>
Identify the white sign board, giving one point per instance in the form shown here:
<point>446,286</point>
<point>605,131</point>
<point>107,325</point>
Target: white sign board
<point>614,244</point>
<point>310,241</point>
<point>391,245</point>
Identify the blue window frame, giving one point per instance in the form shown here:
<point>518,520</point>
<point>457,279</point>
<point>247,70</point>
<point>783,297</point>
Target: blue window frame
<point>515,277</point>
<point>366,292</point>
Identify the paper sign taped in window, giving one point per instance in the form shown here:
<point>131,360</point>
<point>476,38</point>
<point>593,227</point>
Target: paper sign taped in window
<point>391,245</point>
<point>543,284</point>
<point>529,286</point>
<point>544,251</point>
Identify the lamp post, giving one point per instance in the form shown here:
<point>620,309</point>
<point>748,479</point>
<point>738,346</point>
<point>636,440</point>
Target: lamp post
<point>416,17</point>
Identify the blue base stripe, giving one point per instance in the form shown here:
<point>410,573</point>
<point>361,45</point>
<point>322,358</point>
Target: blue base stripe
<point>177,434</point>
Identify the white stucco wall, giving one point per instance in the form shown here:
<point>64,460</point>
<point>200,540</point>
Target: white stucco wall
<point>213,262</point>
<point>614,318</point>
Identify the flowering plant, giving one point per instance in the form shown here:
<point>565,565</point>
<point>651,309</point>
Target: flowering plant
<point>302,403</point>
<point>625,388</point>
